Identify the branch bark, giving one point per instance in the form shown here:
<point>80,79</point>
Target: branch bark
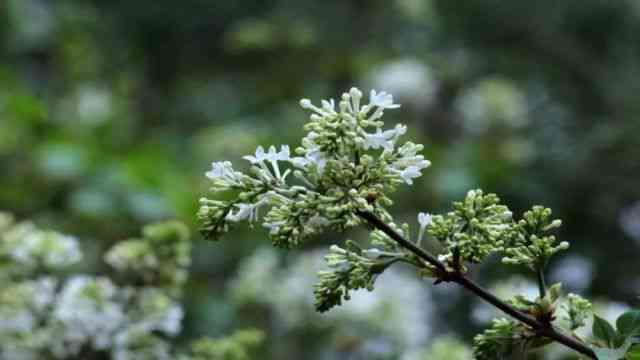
<point>545,330</point>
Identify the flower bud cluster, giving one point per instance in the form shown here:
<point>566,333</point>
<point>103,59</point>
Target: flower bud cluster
<point>351,268</point>
<point>161,256</point>
<point>498,341</point>
<point>477,227</point>
<point>578,310</point>
<point>233,347</point>
<point>346,163</point>
<point>530,244</point>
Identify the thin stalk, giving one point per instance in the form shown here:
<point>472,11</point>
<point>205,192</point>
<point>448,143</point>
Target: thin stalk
<point>542,284</point>
<point>545,330</point>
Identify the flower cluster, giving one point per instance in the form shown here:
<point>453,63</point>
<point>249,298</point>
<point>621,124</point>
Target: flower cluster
<point>47,313</point>
<point>342,175</point>
<point>160,257</point>
<point>349,269</point>
<point>233,347</point>
<point>578,310</point>
<point>499,341</point>
<point>25,248</point>
<point>346,163</point>
<point>477,227</point>
<point>530,246</point>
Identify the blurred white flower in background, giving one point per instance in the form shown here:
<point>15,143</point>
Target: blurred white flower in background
<point>32,23</point>
<point>396,314</point>
<point>410,80</point>
<point>28,246</point>
<point>492,101</point>
<point>46,313</point>
<point>630,221</point>
<point>86,311</point>
<point>573,271</point>
<point>93,104</point>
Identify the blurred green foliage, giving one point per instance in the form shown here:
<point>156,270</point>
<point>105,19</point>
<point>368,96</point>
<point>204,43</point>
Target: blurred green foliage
<point>111,111</point>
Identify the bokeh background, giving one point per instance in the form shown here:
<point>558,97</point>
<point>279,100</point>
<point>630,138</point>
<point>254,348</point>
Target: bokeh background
<point>111,112</point>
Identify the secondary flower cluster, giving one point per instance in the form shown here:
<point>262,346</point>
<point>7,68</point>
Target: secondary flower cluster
<point>45,312</point>
<point>346,163</point>
<point>477,227</point>
<point>530,245</point>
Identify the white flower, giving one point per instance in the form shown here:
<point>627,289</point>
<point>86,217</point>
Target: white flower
<point>299,162</point>
<point>245,211</point>
<point>313,156</point>
<point>273,227</point>
<point>409,79</point>
<point>424,219</point>
<point>329,106</point>
<point>159,312</point>
<point>384,139</point>
<point>43,292</point>
<point>372,253</point>
<point>326,110</point>
<point>259,157</point>
<point>382,100</point>
<point>223,172</point>
<point>51,248</point>
<point>64,250</point>
<point>86,311</point>
<point>409,173</point>
<point>282,155</point>
<point>273,156</point>
<point>17,321</point>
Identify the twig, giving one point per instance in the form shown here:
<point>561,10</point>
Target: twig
<point>542,329</point>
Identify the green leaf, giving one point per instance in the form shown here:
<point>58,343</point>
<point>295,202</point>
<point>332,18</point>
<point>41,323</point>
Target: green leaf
<point>628,324</point>
<point>604,331</point>
<point>555,291</point>
<point>633,353</point>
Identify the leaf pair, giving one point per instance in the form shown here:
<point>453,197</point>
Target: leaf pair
<point>620,343</point>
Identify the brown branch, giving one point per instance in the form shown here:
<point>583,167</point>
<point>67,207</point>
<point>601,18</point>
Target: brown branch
<point>542,329</point>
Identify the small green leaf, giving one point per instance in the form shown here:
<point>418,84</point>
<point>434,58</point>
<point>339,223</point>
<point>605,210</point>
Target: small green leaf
<point>555,291</point>
<point>628,324</point>
<point>633,353</point>
<point>604,331</point>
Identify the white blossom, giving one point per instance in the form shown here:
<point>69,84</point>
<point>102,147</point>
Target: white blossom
<point>273,227</point>
<point>382,100</point>
<point>49,248</point>
<point>272,156</point>
<point>326,110</point>
<point>424,219</point>
<point>384,139</point>
<point>86,311</point>
<point>245,212</point>
<point>159,312</point>
<point>223,172</point>
<point>259,156</point>
<point>409,173</point>
<point>314,156</point>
